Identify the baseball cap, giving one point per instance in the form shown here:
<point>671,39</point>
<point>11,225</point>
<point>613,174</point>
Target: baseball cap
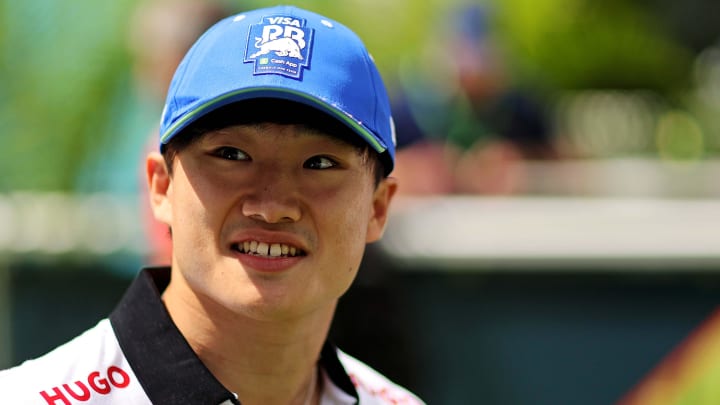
<point>288,53</point>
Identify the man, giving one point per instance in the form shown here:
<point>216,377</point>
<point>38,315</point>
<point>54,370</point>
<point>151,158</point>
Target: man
<point>276,144</point>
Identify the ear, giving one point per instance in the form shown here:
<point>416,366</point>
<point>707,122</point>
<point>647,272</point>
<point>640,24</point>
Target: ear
<point>159,187</point>
<point>381,205</point>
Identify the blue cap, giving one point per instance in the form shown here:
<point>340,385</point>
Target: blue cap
<point>287,53</point>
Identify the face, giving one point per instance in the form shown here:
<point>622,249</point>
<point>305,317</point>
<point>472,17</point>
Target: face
<point>269,220</point>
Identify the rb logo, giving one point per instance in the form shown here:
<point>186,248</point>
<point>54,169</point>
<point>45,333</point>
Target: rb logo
<point>284,43</point>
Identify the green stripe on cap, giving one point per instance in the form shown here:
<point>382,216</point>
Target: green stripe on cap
<point>338,114</point>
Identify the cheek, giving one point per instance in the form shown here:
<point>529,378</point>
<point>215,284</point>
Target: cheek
<point>194,238</point>
<point>200,199</point>
<point>345,216</point>
<point>193,219</point>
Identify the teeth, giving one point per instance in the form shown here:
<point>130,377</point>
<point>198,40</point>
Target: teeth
<point>262,249</point>
<point>267,249</point>
<point>275,250</point>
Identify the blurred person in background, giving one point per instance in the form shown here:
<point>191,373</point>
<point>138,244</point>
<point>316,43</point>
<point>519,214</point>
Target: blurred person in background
<point>424,162</point>
<point>273,175</point>
<point>161,32</point>
<point>466,117</point>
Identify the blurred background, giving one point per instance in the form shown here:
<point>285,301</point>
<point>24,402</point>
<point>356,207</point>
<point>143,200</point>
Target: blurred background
<point>557,237</point>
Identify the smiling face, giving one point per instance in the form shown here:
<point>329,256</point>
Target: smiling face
<point>268,220</point>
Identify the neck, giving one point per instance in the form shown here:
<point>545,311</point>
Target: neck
<point>262,361</point>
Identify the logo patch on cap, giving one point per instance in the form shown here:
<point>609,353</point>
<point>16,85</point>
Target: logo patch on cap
<point>279,45</point>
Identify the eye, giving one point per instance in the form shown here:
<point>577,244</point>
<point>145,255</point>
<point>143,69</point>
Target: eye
<point>230,153</point>
<point>320,163</point>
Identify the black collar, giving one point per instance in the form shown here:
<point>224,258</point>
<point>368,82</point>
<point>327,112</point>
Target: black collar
<point>165,365</point>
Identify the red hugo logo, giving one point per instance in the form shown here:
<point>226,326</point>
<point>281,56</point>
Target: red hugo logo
<point>96,382</point>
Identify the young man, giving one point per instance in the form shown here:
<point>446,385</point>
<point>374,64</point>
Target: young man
<point>276,144</point>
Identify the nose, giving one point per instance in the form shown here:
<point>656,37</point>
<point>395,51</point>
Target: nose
<point>274,200</point>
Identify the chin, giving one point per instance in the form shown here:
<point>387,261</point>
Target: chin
<point>264,305</point>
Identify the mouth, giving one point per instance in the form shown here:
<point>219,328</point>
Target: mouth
<point>264,249</point>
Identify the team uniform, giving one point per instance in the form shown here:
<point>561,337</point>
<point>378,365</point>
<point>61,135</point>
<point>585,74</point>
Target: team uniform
<point>138,356</point>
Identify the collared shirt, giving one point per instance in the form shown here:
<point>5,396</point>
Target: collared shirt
<point>138,356</point>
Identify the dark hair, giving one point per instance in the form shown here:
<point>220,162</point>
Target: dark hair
<point>275,111</point>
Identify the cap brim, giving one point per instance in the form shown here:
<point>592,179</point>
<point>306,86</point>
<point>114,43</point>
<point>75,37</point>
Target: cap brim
<point>272,92</point>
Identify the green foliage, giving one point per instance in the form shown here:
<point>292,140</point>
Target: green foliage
<point>61,65</point>
<point>572,44</point>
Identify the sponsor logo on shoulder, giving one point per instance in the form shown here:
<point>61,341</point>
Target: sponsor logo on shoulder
<point>96,383</point>
<point>279,45</point>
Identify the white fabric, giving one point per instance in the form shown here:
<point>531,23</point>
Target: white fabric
<point>372,387</point>
<point>79,366</point>
<point>94,369</point>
